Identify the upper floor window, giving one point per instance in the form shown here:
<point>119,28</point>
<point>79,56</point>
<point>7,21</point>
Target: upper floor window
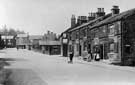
<point>111,29</point>
<point>114,28</point>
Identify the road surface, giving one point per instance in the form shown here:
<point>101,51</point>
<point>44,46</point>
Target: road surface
<point>34,68</point>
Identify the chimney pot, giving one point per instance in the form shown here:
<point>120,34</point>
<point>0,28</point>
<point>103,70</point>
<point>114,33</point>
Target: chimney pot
<point>116,7</point>
<point>99,9</point>
<point>102,9</point>
<point>91,16</point>
<point>115,10</point>
<point>100,12</point>
<point>81,19</point>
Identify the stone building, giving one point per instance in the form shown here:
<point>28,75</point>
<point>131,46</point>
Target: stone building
<point>112,34</point>
<point>22,41</point>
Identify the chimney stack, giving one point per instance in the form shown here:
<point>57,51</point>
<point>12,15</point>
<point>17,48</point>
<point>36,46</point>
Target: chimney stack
<point>91,16</point>
<point>73,21</point>
<point>100,12</point>
<point>81,20</point>
<point>115,10</point>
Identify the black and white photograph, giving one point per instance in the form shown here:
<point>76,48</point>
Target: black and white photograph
<point>67,42</point>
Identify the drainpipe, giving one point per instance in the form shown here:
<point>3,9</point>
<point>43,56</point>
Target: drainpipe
<point>122,59</point>
<point>79,44</point>
<point>87,37</point>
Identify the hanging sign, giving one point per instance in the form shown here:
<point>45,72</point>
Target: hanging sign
<point>65,40</point>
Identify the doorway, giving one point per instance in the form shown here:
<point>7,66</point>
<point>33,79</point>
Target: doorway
<point>65,50</point>
<point>101,51</point>
<point>80,50</point>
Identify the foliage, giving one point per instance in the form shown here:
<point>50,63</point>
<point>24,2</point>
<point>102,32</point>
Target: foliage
<point>10,31</point>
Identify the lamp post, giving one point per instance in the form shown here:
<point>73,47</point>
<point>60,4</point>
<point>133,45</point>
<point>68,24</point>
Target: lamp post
<point>79,44</point>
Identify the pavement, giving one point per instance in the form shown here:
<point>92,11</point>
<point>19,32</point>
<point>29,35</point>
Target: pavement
<point>107,64</point>
<point>54,70</point>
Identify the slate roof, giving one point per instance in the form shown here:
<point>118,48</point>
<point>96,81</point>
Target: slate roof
<point>22,35</point>
<point>32,37</point>
<point>117,17</point>
<point>90,22</point>
<point>105,20</point>
<point>49,43</point>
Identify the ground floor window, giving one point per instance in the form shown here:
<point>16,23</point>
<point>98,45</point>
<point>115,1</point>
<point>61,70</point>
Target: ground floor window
<point>114,47</point>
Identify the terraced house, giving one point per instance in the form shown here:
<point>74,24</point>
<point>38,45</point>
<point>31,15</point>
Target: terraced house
<point>113,35</point>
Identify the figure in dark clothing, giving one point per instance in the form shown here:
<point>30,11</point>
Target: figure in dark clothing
<point>71,57</point>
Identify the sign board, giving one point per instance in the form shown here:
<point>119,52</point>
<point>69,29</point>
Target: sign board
<point>65,40</point>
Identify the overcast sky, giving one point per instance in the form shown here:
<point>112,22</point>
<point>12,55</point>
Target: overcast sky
<point>38,16</point>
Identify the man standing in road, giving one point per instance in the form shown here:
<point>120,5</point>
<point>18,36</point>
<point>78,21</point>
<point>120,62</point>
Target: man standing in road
<point>71,55</point>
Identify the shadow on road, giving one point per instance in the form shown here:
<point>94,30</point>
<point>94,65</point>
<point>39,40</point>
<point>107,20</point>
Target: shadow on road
<point>24,77</point>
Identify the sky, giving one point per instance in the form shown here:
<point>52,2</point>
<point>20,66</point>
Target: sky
<point>38,16</point>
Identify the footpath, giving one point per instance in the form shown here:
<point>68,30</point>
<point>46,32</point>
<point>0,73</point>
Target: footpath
<point>101,63</point>
<point>105,64</point>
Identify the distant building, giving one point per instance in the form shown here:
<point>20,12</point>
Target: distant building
<point>9,41</point>
<point>34,41</point>
<point>22,41</point>
<point>51,47</point>
<point>50,44</point>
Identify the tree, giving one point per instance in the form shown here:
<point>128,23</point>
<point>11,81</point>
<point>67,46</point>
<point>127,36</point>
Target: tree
<point>12,32</point>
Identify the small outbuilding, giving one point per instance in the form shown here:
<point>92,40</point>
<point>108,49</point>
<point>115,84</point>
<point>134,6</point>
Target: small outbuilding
<point>50,47</point>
